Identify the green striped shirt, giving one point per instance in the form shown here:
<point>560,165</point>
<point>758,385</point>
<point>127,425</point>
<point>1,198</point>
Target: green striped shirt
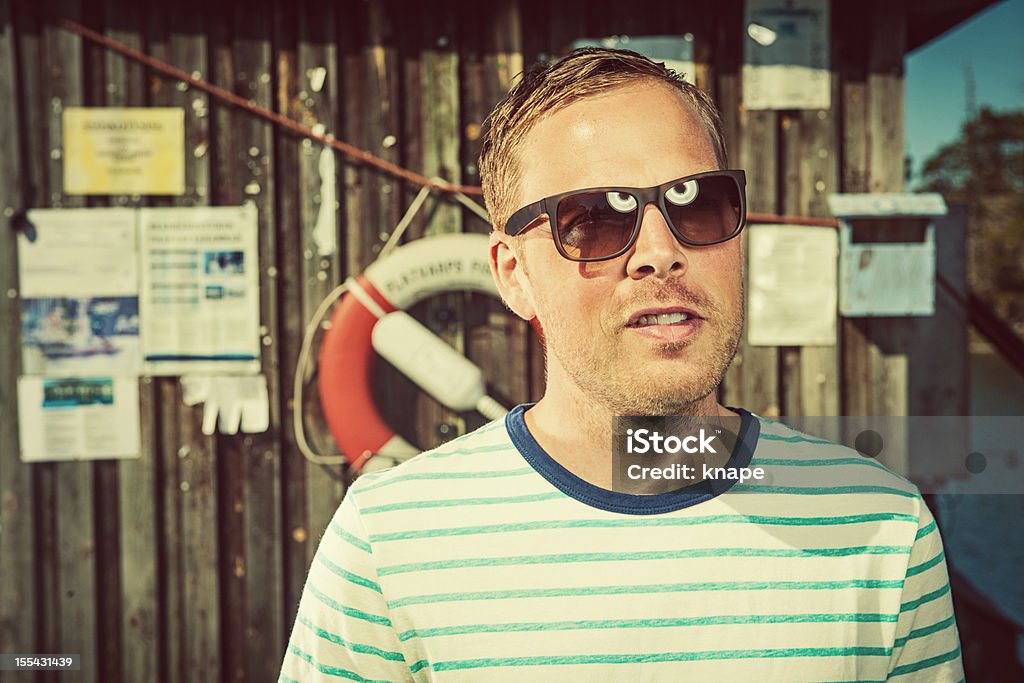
<point>479,561</point>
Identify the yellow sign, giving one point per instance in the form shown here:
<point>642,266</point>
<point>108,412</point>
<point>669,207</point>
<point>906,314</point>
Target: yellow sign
<point>127,150</point>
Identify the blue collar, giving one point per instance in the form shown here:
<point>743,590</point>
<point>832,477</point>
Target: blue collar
<point>628,503</point>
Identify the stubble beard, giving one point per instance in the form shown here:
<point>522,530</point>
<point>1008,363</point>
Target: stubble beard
<point>604,376</point>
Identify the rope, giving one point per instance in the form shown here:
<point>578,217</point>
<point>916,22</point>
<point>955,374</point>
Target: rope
<point>329,140</point>
<point>262,112</point>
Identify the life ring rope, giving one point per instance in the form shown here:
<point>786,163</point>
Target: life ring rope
<point>407,275</point>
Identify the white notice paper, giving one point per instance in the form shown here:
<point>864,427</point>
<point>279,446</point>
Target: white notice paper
<point>200,290</point>
<point>786,55</point>
<point>84,418</point>
<point>79,293</point>
<point>792,276</point>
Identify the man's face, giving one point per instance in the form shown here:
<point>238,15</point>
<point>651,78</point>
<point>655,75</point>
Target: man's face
<point>592,313</point>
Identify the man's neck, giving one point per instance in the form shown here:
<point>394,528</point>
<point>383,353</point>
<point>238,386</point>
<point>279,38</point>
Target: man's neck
<point>576,430</point>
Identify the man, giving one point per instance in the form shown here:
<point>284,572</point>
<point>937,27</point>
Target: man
<point>511,554</point>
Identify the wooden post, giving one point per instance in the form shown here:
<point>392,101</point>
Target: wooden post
<point>264,625</point>
<point>306,90</point>
<point>128,527</point>
<point>73,501</point>
<point>491,57</point>
<point>320,273</point>
<point>753,380</point>
<point>810,381</point>
<point>191,485</point>
<point>18,609</point>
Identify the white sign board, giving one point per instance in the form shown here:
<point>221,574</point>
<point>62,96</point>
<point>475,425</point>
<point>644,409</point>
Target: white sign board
<point>792,276</point>
<point>786,55</point>
<point>81,418</point>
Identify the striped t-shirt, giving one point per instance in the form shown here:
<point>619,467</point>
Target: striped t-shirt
<point>485,560</point>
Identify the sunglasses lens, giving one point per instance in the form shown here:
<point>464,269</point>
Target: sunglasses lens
<point>705,210</point>
<point>598,224</point>
<point>595,225</point>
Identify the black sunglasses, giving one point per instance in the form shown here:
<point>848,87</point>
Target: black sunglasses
<point>601,223</point>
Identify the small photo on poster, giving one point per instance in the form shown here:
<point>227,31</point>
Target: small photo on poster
<point>224,262</point>
<point>80,336</point>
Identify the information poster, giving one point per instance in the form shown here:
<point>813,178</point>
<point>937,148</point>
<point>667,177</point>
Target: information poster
<point>79,293</point>
<point>82,418</point>
<point>792,273</point>
<point>200,290</point>
<point>124,150</point>
<point>786,55</point>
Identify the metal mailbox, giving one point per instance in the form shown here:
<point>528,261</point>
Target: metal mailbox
<point>882,276</point>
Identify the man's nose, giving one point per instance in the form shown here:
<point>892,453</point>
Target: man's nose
<point>657,251</point>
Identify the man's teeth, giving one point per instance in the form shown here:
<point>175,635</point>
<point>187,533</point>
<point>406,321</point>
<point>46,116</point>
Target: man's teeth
<point>662,319</point>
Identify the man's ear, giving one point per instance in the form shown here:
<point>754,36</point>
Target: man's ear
<point>510,276</point>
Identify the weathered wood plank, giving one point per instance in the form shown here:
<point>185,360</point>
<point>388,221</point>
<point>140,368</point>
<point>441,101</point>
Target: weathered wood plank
<point>198,655</point>
<point>75,503</point>
<point>105,472</point>
<point>852,47</point>
<point>320,273</point>
<point>357,249</point>
<point>885,96</point>
<point>753,379</point>
<point>198,478</point>
<point>171,653</point>
<point>291,192</point>
<point>811,373</point>
<point>417,417</point>
<point>381,201</point>
<point>821,372</point>
<point>885,174</point>
<point>436,115</point>
<point>702,25</point>
<point>892,339</point>
<point>939,374</point>
<point>178,37</point>
<point>263,625</point>
<point>727,54</point>
<point>491,56</point>
<point>231,172</point>
<point>159,405</point>
<point>791,190</point>
<point>131,487</point>
<point>18,613</point>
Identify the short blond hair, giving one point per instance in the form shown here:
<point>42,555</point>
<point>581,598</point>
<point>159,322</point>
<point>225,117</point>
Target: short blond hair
<point>548,87</point>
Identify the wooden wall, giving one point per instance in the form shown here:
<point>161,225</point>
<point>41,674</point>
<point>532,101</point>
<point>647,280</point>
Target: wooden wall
<point>187,564</point>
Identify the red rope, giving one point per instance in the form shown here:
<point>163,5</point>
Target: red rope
<point>268,114</point>
<point>331,141</point>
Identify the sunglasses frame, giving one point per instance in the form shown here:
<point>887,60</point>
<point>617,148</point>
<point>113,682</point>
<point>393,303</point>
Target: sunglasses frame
<point>527,217</point>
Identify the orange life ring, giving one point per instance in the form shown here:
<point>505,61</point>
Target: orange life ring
<point>406,276</point>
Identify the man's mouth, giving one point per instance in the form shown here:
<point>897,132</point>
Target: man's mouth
<point>667,325</point>
<point>661,317</point>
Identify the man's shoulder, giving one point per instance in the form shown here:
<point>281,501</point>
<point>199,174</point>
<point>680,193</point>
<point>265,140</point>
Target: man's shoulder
<point>475,455</point>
